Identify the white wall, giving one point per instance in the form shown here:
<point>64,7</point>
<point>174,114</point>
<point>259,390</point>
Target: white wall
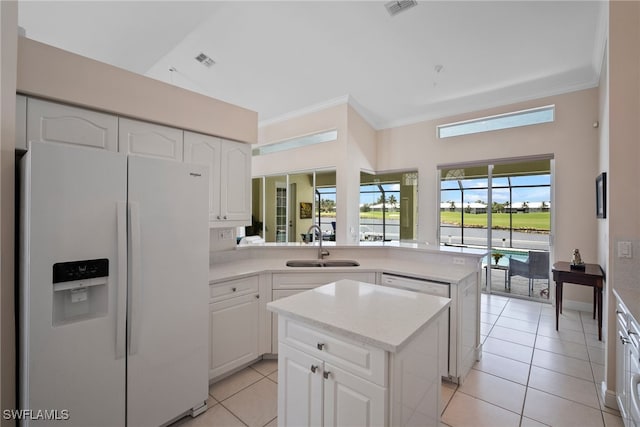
<point>8,60</point>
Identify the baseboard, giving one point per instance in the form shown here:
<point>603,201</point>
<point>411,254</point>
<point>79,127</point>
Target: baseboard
<point>577,305</point>
<point>608,396</point>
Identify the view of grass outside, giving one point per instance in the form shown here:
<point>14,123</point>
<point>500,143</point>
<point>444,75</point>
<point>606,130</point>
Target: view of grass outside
<point>532,221</point>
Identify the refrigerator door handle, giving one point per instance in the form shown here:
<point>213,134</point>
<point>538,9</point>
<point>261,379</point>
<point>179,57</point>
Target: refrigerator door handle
<point>121,287</point>
<point>135,269</point>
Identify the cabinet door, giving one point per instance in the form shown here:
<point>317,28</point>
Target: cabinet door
<point>235,182</point>
<point>352,401</point>
<point>205,150</point>
<point>299,388</point>
<point>622,366</point>
<point>51,122</point>
<point>150,140</point>
<point>274,317</point>
<point>234,327</point>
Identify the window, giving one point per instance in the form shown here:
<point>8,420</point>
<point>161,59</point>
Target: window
<point>285,206</point>
<point>302,141</point>
<point>533,116</point>
<point>388,206</point>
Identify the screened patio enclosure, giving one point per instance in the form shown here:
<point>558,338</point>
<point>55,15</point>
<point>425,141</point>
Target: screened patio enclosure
<point>505,207</point>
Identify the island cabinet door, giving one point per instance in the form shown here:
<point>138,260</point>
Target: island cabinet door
<point>352,401</point>
<point>300,385</point>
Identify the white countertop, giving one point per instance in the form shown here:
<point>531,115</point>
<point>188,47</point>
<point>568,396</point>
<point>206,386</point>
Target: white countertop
<point>380,316</point>
<point>423,270</point>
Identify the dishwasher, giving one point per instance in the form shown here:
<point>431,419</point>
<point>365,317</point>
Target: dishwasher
<point>430,287</point>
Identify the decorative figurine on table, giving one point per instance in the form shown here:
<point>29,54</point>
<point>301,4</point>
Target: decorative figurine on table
<point>496,256</point>
<point>576,261</point>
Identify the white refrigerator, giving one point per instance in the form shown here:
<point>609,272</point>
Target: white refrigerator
<point>113,288</point>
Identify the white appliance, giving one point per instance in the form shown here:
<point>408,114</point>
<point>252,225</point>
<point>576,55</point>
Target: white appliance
<point>430,287</point>
<point>633,379</point>
<point>114,288</point>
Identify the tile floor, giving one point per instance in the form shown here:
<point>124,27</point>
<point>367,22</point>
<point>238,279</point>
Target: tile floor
<point>529,375</point>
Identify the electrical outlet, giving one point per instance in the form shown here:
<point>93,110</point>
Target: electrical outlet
<point>458,261</point>
<point>226,234</point>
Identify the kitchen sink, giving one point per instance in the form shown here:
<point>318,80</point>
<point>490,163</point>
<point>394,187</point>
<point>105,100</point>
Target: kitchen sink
<point>341,263</point>
<point>322,263</point>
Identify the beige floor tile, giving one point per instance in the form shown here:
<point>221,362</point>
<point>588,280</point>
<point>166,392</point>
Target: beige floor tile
<point>465,410</point>
<point>266,366</point>
<point>488,318</point>
<point>598,372</point>
<point>593,341</point>
<point>549,330</point>
<point>273,376</point>
<point>563,325</point>
<point>554,345</point>
<point>596,355</point>
<point>272,423</point>
<point>520,325</point>
<point>211,402</point>
<point>256,405</point>
<point>217,416</point>
<point>568,387</point>
<point>485,328</point>
<point>518,337</point>
<point>495,390</point>
<point>556,411</point>
<point>233,384</point>
<point>503,367</point>
<point>521,353</point>
<point>611,420</point>
<point>447,389</point>
<point>528,422</point>
<point>526,316</point>
<point>563,364</point>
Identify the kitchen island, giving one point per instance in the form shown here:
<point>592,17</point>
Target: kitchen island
<point>354,353</point>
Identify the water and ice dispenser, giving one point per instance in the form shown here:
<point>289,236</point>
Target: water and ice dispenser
<point>79,290</point>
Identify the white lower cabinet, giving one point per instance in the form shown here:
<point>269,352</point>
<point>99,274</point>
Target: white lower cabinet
<point>330,379</point>
<point>234,325</point>
<point>313,392</point>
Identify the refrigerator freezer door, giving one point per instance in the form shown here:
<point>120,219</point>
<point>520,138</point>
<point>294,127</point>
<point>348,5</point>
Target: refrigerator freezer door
<point>167,360</point>
<point>68,332</point>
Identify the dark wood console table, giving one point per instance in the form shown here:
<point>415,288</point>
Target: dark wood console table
<point>591,276</point>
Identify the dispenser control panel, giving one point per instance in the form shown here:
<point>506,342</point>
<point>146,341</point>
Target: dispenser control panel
<point>80,270</point>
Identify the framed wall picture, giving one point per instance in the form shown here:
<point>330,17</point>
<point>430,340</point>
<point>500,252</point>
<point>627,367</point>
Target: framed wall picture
<point>305,210</point>
<point>601,195</point>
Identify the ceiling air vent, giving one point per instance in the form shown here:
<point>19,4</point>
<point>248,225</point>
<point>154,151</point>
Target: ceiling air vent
<point>395,7</point>
<point>205,60</point>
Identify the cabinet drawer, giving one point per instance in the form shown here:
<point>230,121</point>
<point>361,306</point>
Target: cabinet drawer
<point>233,288</point>
<point>312,280</point>
<point>365,361</point>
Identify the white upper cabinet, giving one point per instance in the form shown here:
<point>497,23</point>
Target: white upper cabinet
<point>235,196</point>
<point>230,174</point>
<point>52,122</point>
<point>150,140</point>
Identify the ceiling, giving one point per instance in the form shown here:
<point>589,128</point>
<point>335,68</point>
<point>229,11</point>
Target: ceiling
<point>285,58</point>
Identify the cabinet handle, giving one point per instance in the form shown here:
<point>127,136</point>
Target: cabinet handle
<point>257,296</point>
<point>225,217</point>
<point>630,332</point>
<point>326,374</point>
<point>624,340</point>
<point>218,217</point>
<point>233,289</point>
<point>320,346</point>
<point>314,368</point>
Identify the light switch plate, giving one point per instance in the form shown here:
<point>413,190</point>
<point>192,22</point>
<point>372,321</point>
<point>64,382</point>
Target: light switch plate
<point>625,250</point>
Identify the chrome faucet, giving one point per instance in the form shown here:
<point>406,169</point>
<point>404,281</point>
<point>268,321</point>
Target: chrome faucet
<point>321,252</point>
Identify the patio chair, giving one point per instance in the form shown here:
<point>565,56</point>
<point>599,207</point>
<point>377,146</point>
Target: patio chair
<point>536,267</point>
